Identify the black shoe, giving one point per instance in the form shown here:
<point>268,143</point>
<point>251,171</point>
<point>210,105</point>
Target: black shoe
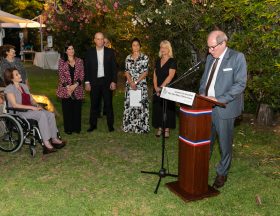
<point>68,132</point>
<point>219,181</point>
<point>91,129</point>
<point>48,150</point>
<point>111,129</point>
<point>58,146</point>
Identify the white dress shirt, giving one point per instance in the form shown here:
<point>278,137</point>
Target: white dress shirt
<point>100,60</point>
<point>211,90</point>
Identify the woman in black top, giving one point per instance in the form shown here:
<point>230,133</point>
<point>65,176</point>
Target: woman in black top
<point>165,70</point>
<point>70,89</point>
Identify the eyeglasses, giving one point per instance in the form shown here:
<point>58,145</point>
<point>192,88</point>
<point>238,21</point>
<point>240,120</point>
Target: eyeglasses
<point>213,47</point>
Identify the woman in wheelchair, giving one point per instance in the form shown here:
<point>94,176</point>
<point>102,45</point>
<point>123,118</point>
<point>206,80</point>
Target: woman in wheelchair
<point>18,96</point>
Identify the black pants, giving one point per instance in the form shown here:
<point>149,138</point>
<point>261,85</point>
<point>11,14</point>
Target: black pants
<point>101,89</point>
<point>72,110</point>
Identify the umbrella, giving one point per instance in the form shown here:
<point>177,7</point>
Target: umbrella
<point>8,20</point>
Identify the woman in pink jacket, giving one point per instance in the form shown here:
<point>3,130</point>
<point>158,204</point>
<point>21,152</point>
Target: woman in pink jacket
<point>70,89</point>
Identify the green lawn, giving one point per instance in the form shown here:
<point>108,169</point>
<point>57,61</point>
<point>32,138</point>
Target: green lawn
<point>99,173</point>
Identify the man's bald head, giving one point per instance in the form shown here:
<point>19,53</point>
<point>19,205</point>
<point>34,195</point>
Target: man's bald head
<point>99,40</point>
<point>220,36</point>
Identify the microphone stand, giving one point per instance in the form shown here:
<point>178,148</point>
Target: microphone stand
<point>163,172</point>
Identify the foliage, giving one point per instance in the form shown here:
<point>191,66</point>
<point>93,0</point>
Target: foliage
<point>253,28</point>
<point>23,8</point>
<point>76,21</point>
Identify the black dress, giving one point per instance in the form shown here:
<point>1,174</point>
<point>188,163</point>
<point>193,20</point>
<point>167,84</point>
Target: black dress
<point>162,73</point>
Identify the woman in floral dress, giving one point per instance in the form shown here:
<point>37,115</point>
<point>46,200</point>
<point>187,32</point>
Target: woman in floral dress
<point>136,118</point>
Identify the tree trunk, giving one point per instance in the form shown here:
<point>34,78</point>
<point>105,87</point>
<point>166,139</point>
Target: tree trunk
<point>265,115</point>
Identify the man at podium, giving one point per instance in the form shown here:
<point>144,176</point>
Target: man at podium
<point>224,80</point>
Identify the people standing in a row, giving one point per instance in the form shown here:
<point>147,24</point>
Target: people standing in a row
<point>9,60</point>
<point>224,80</point>
<point>100,80</point>
<point>70,89</point>
<point>164,73</point>
<point>136,118</point>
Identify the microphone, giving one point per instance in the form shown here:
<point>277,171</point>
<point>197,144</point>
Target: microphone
<point>198,64</point>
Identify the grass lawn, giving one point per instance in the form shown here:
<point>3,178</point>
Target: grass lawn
<point>99,173</point>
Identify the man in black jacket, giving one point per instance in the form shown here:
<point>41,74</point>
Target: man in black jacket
<point>100,80</point>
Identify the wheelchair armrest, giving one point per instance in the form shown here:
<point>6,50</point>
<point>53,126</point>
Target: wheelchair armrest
<point>17,109</point>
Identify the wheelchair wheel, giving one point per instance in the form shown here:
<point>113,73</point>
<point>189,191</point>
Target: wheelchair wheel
<point>11,134</point>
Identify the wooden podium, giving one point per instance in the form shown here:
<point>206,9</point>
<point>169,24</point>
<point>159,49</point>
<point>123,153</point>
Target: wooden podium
<point>194,151</point>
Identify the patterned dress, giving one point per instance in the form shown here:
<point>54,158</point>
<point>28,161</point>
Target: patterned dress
<point>136,119</point>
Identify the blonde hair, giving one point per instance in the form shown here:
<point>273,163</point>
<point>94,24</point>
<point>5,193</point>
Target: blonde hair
<point>168,45</point>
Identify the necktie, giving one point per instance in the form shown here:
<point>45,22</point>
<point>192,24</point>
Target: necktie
<point>211,76</point>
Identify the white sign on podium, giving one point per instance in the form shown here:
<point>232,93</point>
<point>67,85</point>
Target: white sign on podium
<point>180,96</point>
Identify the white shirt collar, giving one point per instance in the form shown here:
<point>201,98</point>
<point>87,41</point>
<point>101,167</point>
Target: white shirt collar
<point>223,54</point>
<point>100,50</point>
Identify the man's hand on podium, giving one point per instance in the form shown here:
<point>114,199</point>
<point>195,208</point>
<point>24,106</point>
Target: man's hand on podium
<point>212,98</point>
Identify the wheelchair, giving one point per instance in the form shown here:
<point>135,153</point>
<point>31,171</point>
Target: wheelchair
<point>15,131</point>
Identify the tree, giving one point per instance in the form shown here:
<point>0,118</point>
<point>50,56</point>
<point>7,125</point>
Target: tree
<point>23,8</point>
<point>76,21</point>
<point>253,28</point>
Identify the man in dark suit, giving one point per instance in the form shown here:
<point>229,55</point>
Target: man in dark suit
<point>224,80</point>
<point>100,80</point>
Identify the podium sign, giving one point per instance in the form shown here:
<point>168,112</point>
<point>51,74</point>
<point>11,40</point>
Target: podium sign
<point>180,96</point>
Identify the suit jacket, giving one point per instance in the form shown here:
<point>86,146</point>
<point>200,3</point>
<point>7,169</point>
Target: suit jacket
<point>65,78</point>
<point>91,65</point>
<point>230,83</point>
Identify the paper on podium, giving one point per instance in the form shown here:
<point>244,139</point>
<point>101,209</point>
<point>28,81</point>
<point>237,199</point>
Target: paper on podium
<point>180,96</point>
<point>135,96</point>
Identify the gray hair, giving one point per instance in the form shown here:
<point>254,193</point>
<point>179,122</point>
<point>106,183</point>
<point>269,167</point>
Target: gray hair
<point>220,36</point>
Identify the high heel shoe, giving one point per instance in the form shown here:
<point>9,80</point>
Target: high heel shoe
<point>159,131</point>
<point>59,145</point>
<point>47,150</point>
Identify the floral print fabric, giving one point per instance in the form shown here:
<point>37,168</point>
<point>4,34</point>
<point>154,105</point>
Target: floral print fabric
<point>136,119</point>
